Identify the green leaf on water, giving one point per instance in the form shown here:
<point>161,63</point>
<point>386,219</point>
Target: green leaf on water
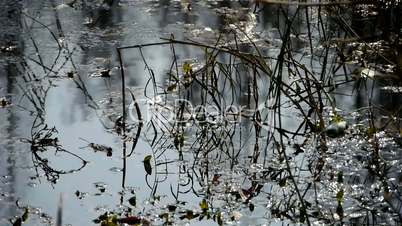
<point>336,118</point>
<point>187,69</point>
<point>25,215</point>
<point>204,205</point>
<point>165,216</point>
<point>218,217</point>
<point>110,221</point>
<point>130,220</point>
<point>339,195</point>
<point>147,164</point>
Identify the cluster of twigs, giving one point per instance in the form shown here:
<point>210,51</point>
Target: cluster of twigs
<point>43,140</point>
<point>254,94</point>
<point>275,86</point>
<point>35,85</point>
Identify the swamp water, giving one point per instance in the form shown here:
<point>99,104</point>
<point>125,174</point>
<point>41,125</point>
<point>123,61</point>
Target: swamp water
<point>200,141</point>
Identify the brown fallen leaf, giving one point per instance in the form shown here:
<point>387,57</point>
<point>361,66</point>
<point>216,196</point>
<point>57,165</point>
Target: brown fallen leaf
<point>4,102</point>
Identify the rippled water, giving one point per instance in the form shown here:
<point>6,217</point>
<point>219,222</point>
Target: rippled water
<point>65,74</point>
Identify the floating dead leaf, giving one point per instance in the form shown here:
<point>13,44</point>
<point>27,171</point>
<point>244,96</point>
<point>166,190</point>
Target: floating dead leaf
<point>4,102</point>
<point>189,214</point>
<point>18,222</point>
<point>104,73</point>
<point>130,220</point>
<point>133,201</point>
<point>172,87</point>
<point>99,147</point>
<point>147,164</point>
<point>215,179</point>
<point>70,74</point>
<point>80,195</point>
<point>172,208</point>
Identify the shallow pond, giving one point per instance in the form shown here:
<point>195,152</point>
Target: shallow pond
<point>262,143</point>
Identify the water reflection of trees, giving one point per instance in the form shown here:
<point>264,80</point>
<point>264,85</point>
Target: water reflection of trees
<point>10,44</point>
<point>37,76</point>
<point>299,161</point>
<point>279,154</point>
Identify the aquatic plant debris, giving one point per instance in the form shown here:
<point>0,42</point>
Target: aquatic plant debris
<point>103,73</point>
<point>4,102</point>
<point>200,112</point>
<point>100,148</point>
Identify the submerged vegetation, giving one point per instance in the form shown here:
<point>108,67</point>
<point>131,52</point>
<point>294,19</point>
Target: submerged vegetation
<point>295,121</point>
